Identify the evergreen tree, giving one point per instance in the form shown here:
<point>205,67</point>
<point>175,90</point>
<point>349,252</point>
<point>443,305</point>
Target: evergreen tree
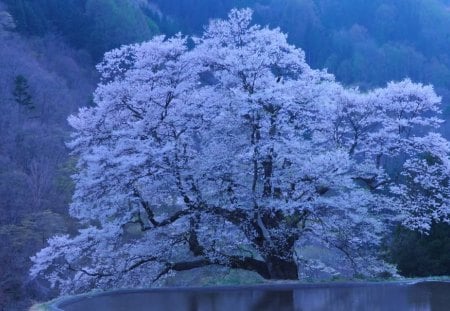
<point>21,92</point>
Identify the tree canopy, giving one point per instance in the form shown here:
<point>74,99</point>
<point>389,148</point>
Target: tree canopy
<point>236,153</point>
<point>94,25</point>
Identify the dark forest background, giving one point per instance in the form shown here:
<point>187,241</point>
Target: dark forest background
<point>48,50</point>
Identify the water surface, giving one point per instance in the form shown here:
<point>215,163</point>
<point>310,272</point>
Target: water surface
<point>424,296</point>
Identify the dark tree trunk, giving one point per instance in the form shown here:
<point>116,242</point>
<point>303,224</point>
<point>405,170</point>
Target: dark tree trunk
<point>277,252</point>
<point>272,269</point>
<point>282,269</point>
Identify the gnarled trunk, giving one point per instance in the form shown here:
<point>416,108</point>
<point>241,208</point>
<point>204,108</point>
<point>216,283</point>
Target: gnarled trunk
<point>282,269</point>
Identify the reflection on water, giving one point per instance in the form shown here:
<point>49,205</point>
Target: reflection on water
<point>426,296</point>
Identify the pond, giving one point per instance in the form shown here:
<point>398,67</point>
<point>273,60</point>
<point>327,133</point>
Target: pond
<point>423,296</point>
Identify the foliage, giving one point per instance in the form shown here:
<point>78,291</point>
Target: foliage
<point>404,38</point>
<point>22,240</point>
<point>418,254</point>
<point>237,153</point>
<point>115,23</point>
<point>365,43</point>
<point>95,25</point>
<point>21,92</point>
<point>34,186</point>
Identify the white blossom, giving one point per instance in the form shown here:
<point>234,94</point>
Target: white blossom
<point>235,152</point>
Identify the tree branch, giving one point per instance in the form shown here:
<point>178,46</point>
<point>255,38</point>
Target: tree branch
<point>235,262</point>
<point>93,274</point>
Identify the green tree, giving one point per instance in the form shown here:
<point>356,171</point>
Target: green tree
<point>422,255</point>
<point>22,94</point>
<point>116,22</point>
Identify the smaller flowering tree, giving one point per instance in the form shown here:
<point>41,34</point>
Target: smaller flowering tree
<point>236,153</point>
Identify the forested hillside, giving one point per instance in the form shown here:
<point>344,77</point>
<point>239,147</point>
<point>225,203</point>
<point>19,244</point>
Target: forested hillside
<point>361,42</point>
<point>42,81</point>
<point>48,52</point>
<point>365,43</point>
<point>92,25</point>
